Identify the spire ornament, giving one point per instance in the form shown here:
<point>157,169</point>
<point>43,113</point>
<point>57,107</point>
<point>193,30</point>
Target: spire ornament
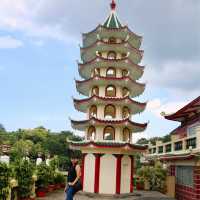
<point>113,5</point>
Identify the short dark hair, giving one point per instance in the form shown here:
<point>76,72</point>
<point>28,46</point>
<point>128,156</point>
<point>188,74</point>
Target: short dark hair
<point>75,155</point>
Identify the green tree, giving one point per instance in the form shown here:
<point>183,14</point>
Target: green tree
<point>2,128</point>
<point>142,141</point>
<point>21,149</point>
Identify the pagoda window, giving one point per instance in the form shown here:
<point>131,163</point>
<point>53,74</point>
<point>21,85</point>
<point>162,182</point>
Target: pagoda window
<point>123,55</point>
<point>125,72</point>
<point>125,92</point>
<point>95,90</point>
<point>96,72</point>
<point>109,133</point>
<point>126,135</point>
<point>126,112</point>
<point>91,134</point>
<point>93,111</point>
<point>112,55</point>
<point>112,40</point>
<point>110,91</point>
<point>109,112</point>
<point>111,72</point>
<point>99,54</point>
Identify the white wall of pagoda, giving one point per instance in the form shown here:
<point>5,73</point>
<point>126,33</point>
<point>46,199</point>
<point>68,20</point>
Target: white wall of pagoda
<point>107,181</point>
<point>125,174</point>
<point>89,173</point>
<point>107,173</point>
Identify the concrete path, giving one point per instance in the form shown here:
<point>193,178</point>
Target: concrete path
<point>145,195</point>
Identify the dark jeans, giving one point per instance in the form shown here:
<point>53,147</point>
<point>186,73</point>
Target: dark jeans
<point>70,193</point>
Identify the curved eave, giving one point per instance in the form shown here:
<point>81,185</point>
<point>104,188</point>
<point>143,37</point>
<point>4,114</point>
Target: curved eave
<point>107,144</point>
<point>135,88</point>
<point>185,111</point>
<point>122,33</point>
<point>177,157</point>
<point>84,104</point>
<point>103,28</point>
<point>99,43</point>
<point>136,71</point>
<point>133,126</point>
<point>135,55</point>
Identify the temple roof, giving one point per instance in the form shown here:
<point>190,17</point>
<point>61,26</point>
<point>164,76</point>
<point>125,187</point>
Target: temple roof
<point>112,21</point>
<point>133,126</point>
<point>173,157</point>
<point>107,144</point>
<point>135,88</point>
<point>136,71</point>
<point>186,112</point>
<point>135,107</point>
<point>100,42</point>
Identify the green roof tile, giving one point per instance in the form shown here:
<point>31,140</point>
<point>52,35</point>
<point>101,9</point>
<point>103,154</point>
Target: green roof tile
<point>112,21</point>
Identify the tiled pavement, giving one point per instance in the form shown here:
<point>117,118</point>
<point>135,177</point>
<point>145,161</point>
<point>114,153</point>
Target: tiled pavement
<point>59,195</point>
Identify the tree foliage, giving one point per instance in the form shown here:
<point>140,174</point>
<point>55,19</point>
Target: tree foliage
<point>31,142</point>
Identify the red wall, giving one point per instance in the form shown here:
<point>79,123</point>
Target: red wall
<point>185,192</point>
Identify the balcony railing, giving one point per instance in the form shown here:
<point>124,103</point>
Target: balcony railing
<point>183,144</point>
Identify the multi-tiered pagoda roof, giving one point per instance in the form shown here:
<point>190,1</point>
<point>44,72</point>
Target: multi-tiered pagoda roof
<point>110,46</point>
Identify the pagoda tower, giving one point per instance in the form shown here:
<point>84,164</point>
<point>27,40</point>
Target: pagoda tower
<point>110,55</point>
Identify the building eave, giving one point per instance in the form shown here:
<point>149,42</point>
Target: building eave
<point>136,71</point>
<point>107,144</point>
<point>127,101</point>
<point>134,87</point>
<point>82,125</point>
<point>181,114</point>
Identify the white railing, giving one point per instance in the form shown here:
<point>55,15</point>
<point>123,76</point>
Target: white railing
<point>180,146</point>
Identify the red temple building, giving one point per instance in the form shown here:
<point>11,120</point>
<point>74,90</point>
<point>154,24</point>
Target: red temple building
<point>110,70</point>
<point>182,153</point>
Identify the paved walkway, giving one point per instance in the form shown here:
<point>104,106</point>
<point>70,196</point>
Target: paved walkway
<point>145,195</point>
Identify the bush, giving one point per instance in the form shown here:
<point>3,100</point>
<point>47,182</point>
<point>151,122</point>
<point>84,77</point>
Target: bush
<point>24,172</point>
<point>43,175</point>
<point>59,178</point>
<point>4,180</point>
<point>156,176</point>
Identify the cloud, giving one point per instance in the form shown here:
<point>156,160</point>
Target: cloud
<point>180,77</point>
<point>157,107</point>
<point>8,42</point>
<point>170,28</point>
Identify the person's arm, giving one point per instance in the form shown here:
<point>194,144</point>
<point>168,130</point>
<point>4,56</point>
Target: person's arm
<point>78,175</point>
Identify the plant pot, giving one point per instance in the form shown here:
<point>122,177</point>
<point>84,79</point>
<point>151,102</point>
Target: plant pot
<point>58,186</point>
<point>51,188</point>
<point>62,185</point>
<point>41,193</point>
<point>139,186</point>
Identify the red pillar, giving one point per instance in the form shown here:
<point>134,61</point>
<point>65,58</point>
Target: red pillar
<point>82,169</point>
<point>118,173</point>
<point>97,173</point>
<point>131,177</point>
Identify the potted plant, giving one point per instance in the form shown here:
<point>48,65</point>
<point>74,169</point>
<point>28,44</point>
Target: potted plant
<point>4,180</point>
<point>51,184</point>
<point>140,184</point>
<point>24,172</point>
<point>146,174</point>
<point>59,180</point>
<point>42,179</point>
